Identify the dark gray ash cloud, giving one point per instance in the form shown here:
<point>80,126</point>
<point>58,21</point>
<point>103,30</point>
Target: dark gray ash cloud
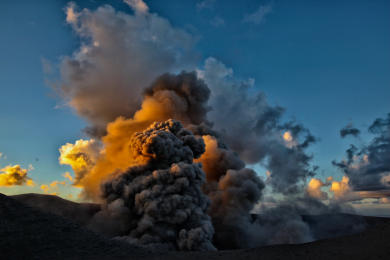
<point>184,96</point>
<point>159,202</point>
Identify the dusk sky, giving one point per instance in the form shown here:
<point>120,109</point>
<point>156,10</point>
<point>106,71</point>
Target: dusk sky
<point>326,62</point>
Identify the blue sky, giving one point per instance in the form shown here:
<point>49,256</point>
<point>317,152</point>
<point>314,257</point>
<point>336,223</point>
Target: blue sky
<point>327,63</point>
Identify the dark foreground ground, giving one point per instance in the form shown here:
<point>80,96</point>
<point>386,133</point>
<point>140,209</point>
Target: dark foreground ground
<point>30,233</point>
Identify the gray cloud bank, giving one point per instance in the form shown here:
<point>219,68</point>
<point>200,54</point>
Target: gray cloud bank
<point>368,167</point>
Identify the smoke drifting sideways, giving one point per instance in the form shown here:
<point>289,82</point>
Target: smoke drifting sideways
<point>259,128</point>
<point>168,161</point>
<point>367,169</point>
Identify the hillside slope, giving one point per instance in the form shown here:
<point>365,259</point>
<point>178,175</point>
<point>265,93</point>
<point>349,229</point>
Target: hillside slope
<point>30,233</point>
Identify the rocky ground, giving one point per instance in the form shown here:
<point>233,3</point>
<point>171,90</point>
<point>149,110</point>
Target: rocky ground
<point>30,233</point>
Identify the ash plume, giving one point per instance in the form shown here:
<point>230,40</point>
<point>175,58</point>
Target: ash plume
<point>120,54</point>
<point>100,91</point>
<point>233,198</point>
<point>182,97</point>
<point>170,154</point>
<point>314,186</point>
<point>161,198</point>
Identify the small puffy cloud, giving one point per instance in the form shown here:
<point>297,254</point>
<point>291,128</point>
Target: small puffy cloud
<point>340,188</point>
<point>138,6</point>
<point>349,130</point>
<point>3,156</point>
<point>52,188</point>
<point>205,4</point>
<point>68,176</point>
<point>217,21</point>
<point>329,179</point>
<point>289,139</point>
<point>44,188</point>
<point>71,14</point>
<point>14,175</point>
<point>259,15</point>
<point>54,184</point>
<point>287,136</point>
<point>313,189</point>
<point>30,167</point>
<point>30,183</point>
<point>81,156</point>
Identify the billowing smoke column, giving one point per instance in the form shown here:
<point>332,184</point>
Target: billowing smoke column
<point>140,166</point>
<point>161,173</point>
<point>119,56</point>
<point>232,189</point>
<point>182,97</point>
<point>161,198</point>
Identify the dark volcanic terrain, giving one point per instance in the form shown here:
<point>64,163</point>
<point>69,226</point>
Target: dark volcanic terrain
<point>30,233</point>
